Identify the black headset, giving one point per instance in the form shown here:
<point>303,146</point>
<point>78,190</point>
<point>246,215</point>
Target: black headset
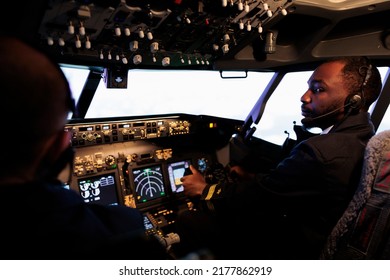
<point>356,101</point>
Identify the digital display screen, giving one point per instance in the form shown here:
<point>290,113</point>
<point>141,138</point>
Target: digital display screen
<point>148,223</point>
<point>149,183</point>
<point>176,171</point>
<point>100,189</point>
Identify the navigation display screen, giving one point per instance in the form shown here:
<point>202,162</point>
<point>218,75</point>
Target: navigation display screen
<point>149,183</point>
<point>100,189</point>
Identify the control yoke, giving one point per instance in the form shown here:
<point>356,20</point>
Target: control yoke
<point>239,143</point>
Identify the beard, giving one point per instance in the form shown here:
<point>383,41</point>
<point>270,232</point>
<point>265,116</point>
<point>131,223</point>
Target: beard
<point>322,121</point>
<point>332,115</point>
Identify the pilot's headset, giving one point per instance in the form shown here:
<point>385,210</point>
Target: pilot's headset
<point>354,102</point>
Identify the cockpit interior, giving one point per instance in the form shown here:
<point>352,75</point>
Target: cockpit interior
<point>146,108</point>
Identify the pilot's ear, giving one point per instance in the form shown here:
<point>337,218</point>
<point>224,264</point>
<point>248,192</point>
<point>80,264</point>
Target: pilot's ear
<point>65,139</point>
<point>58,155</point>
<point>59,145</point>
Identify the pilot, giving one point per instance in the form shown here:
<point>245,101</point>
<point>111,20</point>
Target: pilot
<point>39,217</point>
<point>288,212</point>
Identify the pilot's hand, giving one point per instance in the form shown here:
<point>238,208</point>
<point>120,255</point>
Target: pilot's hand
<point>238,173</point>
<point>194,183</point>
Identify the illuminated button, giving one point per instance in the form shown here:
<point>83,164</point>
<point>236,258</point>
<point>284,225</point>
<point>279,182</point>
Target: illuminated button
<point>90,137</point>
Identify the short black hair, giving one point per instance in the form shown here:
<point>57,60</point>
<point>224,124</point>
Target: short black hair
<point>356,70</point>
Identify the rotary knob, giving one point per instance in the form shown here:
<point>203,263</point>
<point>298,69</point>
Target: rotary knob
<point>110,161</point>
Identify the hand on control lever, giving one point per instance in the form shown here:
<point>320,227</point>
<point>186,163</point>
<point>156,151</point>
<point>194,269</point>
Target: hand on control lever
<point>193,183</point>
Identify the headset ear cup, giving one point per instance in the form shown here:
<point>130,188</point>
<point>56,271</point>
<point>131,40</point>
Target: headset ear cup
<point>354,102</point>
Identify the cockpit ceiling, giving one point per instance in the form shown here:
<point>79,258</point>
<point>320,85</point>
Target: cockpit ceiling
<point>211,34</point>
<point>339,5</point>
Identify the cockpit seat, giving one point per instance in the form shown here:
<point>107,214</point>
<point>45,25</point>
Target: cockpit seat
<point>363,230</point>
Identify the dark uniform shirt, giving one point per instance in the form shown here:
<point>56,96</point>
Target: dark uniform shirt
<point>289,212</point>
<point>47,221</point>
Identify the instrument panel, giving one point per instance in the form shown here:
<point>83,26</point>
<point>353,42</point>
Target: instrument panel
<point>118,131</point>
<point>139,162</point>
